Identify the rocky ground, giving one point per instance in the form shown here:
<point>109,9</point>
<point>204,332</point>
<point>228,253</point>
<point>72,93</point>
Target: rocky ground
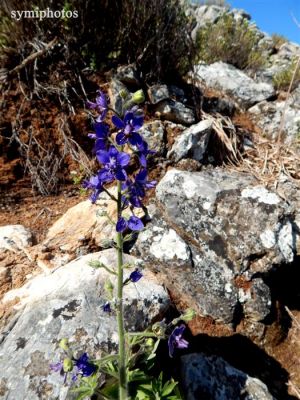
<point>222,236</point>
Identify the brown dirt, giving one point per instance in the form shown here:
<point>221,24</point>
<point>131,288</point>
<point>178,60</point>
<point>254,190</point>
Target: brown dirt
<point>288,354</point>
<point>20,206</point>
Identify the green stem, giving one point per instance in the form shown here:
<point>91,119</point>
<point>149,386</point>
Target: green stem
<point>120,315</point>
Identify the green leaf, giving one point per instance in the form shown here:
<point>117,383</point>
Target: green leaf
<point>99,264</point>
<point>106,359</point>
<point>168,388</point>
<point>111,391</point>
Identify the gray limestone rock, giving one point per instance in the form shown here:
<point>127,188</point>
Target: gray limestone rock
<point>235,83</point>
<point>268,115</point>
<point>116,100</point>
<point>153,132</point>
<point>204,14</point>
<point>212,235</point>
<point>192,143</point>
<point>175,111</point>
<point>128,75</point>
<point>211,377</point>
<point>67,303</point>
<point>14,238</point>
<point>158,93</point>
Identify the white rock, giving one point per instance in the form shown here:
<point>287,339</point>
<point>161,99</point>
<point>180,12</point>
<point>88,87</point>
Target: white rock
<point>67,303</point>
<point>192,143</point>
<point>235,83</point>
<point>14,238</point>
<point>261,194</point>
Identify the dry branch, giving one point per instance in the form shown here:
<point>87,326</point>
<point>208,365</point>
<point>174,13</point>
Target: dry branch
<point>32,57</point>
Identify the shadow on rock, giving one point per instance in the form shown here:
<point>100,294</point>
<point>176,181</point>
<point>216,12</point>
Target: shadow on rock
<point>242,354</point>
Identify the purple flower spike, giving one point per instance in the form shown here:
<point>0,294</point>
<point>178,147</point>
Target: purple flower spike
<point>101,105</point>
<point>176,341</point>
<point>135,224</point>
<point>135,276</point>
<point>85,368</point>
<point>113,165</point>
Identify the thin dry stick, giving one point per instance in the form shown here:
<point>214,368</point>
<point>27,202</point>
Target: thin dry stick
<point>286,101</point>
<point>32,57</point>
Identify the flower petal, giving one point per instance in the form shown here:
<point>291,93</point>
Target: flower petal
<point>123,159</point>
<point>121,138</point>
<point>105,176</point>
<point>121,225</point>
<point>135,276</point>
<point>143,160</point>
<point>141,176</point>
<point>91,105</point>
<point>121,174</point>
<point>138,122</point>
<point>117,122</point>
<point>135,139</point>
<point>103,157</point>
<point>135,224</point>
<point>100,145</point>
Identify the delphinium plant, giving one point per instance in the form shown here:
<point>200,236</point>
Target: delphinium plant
<point>128,373</point>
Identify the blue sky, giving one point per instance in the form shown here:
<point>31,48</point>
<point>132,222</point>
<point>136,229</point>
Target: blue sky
<point>273,16</point>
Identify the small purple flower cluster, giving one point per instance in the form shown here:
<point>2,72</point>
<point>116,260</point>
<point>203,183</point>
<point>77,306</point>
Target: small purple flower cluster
<point>114,161</point>
<point>83,367</point>
<point>176,340</point>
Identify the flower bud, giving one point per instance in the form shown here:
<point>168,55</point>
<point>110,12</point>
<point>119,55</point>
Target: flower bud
<point>149,343</point>
<point>109,287</point>
<point>123,93</point>
<point>138,97</point>
<point>106,243</point>
<point>64,344</point>
<point>159,328</point>
<point>68,365</point>
<point>188,315</point>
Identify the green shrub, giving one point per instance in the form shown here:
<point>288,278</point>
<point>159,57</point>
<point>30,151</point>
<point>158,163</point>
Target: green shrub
<point>282,79</point>
<point>278,40</point>
<point>231,41</point>
<point>153,33</point>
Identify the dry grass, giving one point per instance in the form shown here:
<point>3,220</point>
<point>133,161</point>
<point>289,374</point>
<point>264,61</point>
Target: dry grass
<point>226,140</point>
<point>294,388</point>
<point>268,160</point>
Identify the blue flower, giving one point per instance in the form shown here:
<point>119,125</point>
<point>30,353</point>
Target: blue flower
<point>101,105</point>
<point>101,136</point>
<point>96,185</point>
<point>176,341</point>
<point>136,275</point>
<point>106,307</point>
<point>113,162</point>
<point>84,366</point>
<point>56,367</point>
<point>134,223</point>
<point>129,126</point>
<point>143,152</point>
<point>136,190</point>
